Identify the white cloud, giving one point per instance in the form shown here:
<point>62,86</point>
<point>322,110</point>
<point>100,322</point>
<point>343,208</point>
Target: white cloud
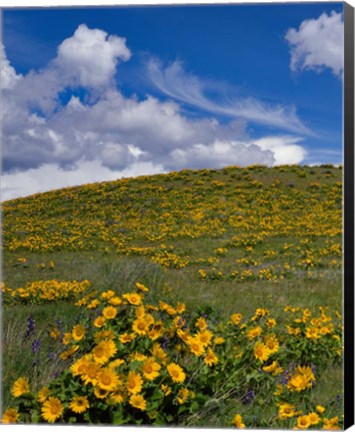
<point>318,44</point>
<point>90,56</point>
<point>86,59</point>
<point>106,135</point>
<point>51,176</point>
<point>9,78</point>
<point>273,150</point>
<point>286,149</point>
<point>219,154</point>
<point>176,83</point>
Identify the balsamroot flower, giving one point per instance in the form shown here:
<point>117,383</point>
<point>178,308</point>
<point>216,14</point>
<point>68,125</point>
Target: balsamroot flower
<point>103,351</point>
<point>134,382</point>
<point>10,416</point>
<point>176,372</point>
<point>211,358</point>
<point>52,409</point>
<point>109,312</point>
<point>107,379</point>
<point>151,369</point>
<point>78,332</point>
<point>138,401</point>
<point>303,422</point>
<point>79,404</point>
<point>238,422</point>
<point>261,352</point>
<point>20,387</point>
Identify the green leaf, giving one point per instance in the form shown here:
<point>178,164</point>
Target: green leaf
<point>159,421</point>
<point>182,409</point>
<point>35,416</point>
<point>194,406</point>
<point>117,417</point>
<point>158,394</point>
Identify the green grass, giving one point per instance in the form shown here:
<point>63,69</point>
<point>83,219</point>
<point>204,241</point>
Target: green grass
<point>138,215</point>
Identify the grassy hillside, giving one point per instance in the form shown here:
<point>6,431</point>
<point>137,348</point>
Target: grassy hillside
<point>219,241</point>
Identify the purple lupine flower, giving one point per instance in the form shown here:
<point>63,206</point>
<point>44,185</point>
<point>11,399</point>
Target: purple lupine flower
<point>59,326</point>
<point>51,353</point>
<point>36,345</point>
<point>285,377</point>
<point>31,327</point>
<point>249,396</point>
<point>165,343</point>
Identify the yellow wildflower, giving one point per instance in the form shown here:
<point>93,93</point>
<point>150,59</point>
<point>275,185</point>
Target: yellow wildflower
<point>331,424</point>
<point>134,382</point>
<point>286,410</point>
<point>176,372</point>
<point>43,394</point>
<point>303,422</point>
<point>238,422</point>
<point>236,318</point>
<point>133,298</point>
<point>254,332</point>
<point>78,332</point>
<point>211,358</point>
<point>79,404</point>
<point>9,416</point>
<point>103,351</point>
<point>52,409</point>
<point>109,312</point>
<point>182,395</point>
<point>314,418</point>
<point>261,352</point>
<point>138,401</point>
<point>151,368</point>
<point>20,387</point>
<point>107,379</point>
<point>195,346</point>
<point>141,287</point>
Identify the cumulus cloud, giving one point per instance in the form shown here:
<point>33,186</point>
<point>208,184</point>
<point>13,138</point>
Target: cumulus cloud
<point>9,78</point>
<point>285,149</point>
<point>90,56</point>
<point>51,176</point>
<point>100,134</point>
<point>219,154</point>
<point>176,83</point>
<point>318,44</point>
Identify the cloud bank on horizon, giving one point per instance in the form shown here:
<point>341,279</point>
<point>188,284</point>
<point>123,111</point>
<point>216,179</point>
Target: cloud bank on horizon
<point>68,123</point>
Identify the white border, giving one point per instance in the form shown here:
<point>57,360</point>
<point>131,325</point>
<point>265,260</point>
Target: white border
<point>98,3</point>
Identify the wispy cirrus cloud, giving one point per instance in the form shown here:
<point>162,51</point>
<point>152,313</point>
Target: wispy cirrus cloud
<point>174,82</point>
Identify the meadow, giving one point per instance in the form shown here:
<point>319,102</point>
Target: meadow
<point>194,298</point>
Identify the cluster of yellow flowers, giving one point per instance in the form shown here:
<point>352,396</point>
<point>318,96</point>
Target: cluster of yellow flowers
<point>312,419</point>
<point>250,206</point>
<point>130,361</point>
<point>45,291</point>
<point>168,259</point>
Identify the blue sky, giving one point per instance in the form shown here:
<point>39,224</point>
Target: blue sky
<point>95,94</point>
